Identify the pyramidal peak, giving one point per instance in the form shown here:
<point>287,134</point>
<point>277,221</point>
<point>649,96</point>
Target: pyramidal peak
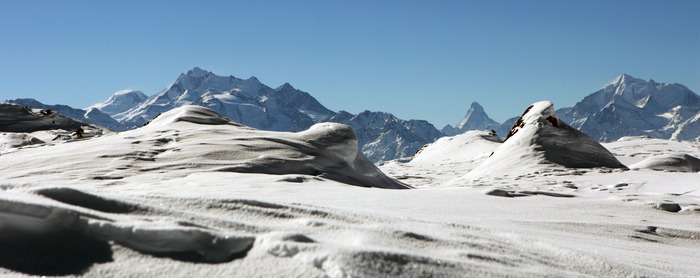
<point>285,86</point>
<point>476,118</point>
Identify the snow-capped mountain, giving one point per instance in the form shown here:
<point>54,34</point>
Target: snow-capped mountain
<point>627,106</point>
<point>384,137</point>
<point>120,102</point>
<point>475,119</point>
<point>92,115</point>
<point>248,102</point>
<point>633,107</point>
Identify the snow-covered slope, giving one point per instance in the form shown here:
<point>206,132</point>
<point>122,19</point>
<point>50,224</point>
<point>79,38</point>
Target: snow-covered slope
<point>470,145</point>
<point>192,194</point>
<point>198,138</point>
<point>631,107</point>
<point>540,138</point>
<point>384,137</point>
<point>475,119</point>
<point>688,130</point>
<point>120,102</point>
<point>670,162</point>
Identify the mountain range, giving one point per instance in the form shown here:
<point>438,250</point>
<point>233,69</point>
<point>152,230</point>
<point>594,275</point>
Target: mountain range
<point>625,107</point>
<point>382,136</point>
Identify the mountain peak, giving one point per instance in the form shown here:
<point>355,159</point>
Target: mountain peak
<point>476,118</point>
<point>285,86</point>
<point>197,72</point>
<point>625,78</point>
<point>135,93</point>
<point>476,106</point>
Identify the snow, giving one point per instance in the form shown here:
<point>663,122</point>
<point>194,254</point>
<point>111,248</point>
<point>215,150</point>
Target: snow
<point>670,162</point>
<point>193,194</point>
<point>540,139</point>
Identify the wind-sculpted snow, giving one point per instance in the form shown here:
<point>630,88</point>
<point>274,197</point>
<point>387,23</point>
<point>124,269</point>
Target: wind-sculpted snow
<point>192,194</point>
<point>196,138</point>
<point>670,162</point>
<point>12,141</point>
<point>540,137</point>
<point>25,218</point>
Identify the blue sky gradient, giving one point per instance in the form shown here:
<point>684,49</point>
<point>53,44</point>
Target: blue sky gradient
<point>417,59</point>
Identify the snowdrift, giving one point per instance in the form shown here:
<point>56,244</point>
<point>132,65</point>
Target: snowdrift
<point>473,144</point>
<point>539,138</point>
<point>670,162</point>
<point>195,139</point>
<point>12,141</point>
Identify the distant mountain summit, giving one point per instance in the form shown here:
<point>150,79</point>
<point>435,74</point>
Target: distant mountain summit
<point>245,101</point>
<point>285,108</point>
<point>120,102</point>
<point>633,107</point>
<point>475,119</point>
<point>627,106</point>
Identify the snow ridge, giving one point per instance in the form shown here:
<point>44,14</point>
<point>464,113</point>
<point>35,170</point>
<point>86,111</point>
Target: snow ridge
<point>539,138</point>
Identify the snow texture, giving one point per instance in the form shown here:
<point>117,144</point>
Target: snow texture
<point>194,194</point>
<point>670,162</point>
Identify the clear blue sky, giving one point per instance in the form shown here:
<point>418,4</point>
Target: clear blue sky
<point>417,59</point>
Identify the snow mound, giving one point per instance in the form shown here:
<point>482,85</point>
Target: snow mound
<point>11,141</point>
<point>17,118</point>
<point>191,114</point>
<point>194,139</point>
<point>670,162</point>
<point>473,144</point>
<point>27,218</point>
<point>539,138</point>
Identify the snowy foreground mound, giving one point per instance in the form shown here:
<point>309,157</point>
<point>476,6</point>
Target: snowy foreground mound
<point>670,162</point>
<point>17,118</point>
<point>540,138</point>
<point>195,139</point>
<point>194,195</point>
